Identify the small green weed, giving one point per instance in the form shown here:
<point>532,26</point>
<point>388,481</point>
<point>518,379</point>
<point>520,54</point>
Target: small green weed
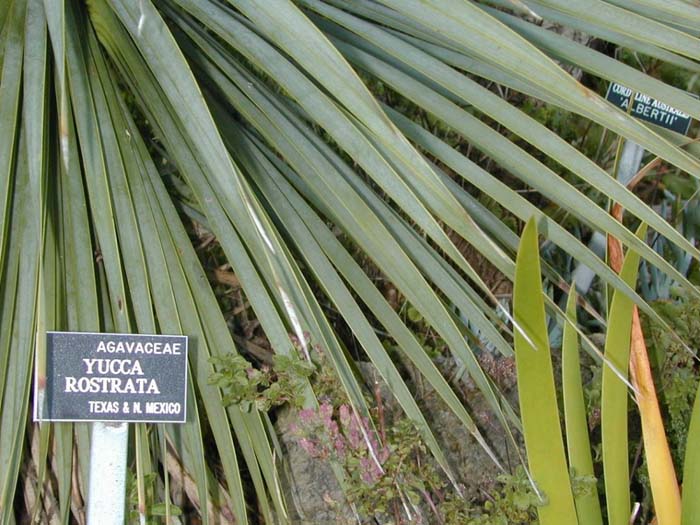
<point>264,387</point>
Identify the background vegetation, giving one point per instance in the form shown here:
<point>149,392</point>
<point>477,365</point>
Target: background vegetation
<point>307,187</point>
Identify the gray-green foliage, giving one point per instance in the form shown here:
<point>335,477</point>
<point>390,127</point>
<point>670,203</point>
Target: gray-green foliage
<point>675,368</point>
<point>299,171</point>
<point>265,387</point>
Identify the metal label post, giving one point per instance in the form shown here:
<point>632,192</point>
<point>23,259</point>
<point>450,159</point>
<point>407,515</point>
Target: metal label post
<point>111,380</point>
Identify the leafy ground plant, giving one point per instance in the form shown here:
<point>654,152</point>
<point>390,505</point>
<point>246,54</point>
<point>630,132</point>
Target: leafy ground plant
<point>264,388</point>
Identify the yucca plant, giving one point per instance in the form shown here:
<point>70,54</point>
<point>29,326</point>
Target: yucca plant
<point>125,122</point>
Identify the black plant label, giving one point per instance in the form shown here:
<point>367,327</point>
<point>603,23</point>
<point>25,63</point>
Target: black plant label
<point>648,109</point>
<point>112,377</point>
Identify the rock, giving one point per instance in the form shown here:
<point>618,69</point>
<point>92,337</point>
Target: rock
<point>312,490</point>
<point>310,487</point>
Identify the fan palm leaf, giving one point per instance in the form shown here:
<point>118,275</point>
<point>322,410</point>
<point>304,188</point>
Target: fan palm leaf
<point>279,149</point>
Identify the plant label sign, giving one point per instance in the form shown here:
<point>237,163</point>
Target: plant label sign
<point>113,377</point>
<point>648,109</point>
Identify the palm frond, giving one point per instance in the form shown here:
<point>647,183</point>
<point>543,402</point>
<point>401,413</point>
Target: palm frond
<point>285,129</point>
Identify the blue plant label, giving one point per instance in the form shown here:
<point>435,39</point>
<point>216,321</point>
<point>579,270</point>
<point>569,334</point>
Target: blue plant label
<point>112,377</point>
<point>648,109</point>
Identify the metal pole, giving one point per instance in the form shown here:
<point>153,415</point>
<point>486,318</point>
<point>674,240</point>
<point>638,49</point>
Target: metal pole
<point>107,475</point>
<point>630,161</point>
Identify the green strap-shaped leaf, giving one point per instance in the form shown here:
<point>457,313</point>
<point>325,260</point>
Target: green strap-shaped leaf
<point>627,39</point>
<point>374,300</point>
<point>82,73</point>
<point>53,273</point>
<point>575,418</point>
<point>116,144</point>
<point>170,310</point>
<point>10,292</point>
<point>55,11</point>
<point>77,249</point>
<point>25,246</point>
<point>573,52</point>
<point>387,259</point>
<point>516,160</point>
<point>79,296</point>
<point>466,28</point>
<point>690,503</point>
<point>604,14</point>
<point>35,120</point>
<point>613,403</point>
<point>536,390</point>
<point>679,13</point>
<point>339,294</point>
<point>438,76</point>
<point>410,181</point>
<point>10,85</point>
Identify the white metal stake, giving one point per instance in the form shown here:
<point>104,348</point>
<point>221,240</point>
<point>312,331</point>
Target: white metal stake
<point>630,161</point>
<point>107,475</point>
<point>75,361</point>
